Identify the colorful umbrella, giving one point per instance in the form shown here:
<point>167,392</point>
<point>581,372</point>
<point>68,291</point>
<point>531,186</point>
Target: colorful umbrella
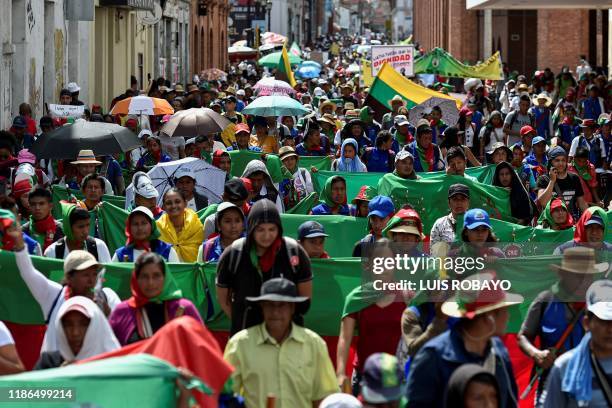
<point>142,105</point>
<point>195,122</point>
<point>274,59</point>
<point>213,74</point>
<point>272,86</point>
<point>275,106</point>
<point>103,138</point>
<point>450,113</point>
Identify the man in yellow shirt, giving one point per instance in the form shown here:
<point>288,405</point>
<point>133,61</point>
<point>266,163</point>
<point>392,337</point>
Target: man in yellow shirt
<point>261,139</point>
<point>279,357</point>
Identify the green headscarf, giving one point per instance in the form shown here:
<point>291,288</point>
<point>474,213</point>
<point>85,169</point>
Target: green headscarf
<point>67,210</point>
<point>547,215</point>
<point>326,193</point>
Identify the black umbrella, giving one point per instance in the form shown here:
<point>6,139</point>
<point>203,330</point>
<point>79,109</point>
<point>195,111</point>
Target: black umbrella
<point>103,138</point>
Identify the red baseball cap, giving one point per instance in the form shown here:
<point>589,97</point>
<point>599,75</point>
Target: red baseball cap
<point>242,127</point>
<point>526,130</point>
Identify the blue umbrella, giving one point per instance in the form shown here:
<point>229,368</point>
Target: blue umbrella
<point>275,105</point>
<point>308,72</point>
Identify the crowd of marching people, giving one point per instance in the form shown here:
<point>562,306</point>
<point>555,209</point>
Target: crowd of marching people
<point>547,137</point>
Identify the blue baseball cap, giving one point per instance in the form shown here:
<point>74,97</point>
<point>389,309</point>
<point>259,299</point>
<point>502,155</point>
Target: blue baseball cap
<point>381,206</point>
<point>537,139</point>
<point>475,218</point>
<point>594,220</point>
<point>311,229</point>
<point>383,379</point>
<point>19,122</point>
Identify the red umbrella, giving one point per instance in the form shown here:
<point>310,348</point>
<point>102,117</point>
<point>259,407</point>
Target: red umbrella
<point>185,342</point>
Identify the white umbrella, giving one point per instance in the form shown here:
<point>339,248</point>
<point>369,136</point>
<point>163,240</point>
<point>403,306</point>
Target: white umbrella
<point>209,179</point>
<point>235,49</point>
<point>273,86</point>
<point>450,113</point>
<point>353,68</point>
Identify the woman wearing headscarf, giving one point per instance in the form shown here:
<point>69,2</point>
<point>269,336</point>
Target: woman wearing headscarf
<point>180,226</point>
<point>155,301</point>
<point>221,159</point>
<point>556,216</point>
<point>229,222</point>
<point>153,156</point>
<point>349,158</point>
<point>82,332</point>
<point>333,198</point>
<point>143,236</point>
<point>262,255</point>
<point>472,386</point>
<point>521,206</point>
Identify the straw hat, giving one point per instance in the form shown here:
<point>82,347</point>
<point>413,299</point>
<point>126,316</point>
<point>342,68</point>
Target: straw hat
<point>396,99</point>
<point>542,96</point>
<point>327,118</point>
<point>473,303</point>
<point>580,260</point>
<point>326,103</point>
<point>86,157</point>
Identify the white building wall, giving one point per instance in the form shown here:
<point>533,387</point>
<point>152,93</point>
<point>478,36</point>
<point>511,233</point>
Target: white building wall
<point>49,51</point>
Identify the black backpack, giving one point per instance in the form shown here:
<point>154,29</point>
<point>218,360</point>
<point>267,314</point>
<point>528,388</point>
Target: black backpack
<point>90,244</point>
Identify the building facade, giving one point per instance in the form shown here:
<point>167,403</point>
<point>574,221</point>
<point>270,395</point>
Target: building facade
<point>171,42</point>
<point>208,41</point>
<point>528,40</point>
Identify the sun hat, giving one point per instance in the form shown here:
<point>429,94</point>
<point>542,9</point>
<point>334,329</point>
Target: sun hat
<point>278,290</point>
<point>86,157</point>
<point>79,260</point>
<point>286,151</point>
<point>580,260</point>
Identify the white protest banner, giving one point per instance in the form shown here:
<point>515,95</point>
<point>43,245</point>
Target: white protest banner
<point>66,111</point>
<point>401,57</point>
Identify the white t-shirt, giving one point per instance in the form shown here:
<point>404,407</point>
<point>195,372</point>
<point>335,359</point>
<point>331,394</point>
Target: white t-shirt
<point>172,145</point>
<point>497,135</point>
<point>576,143</point>
<point>103,252</point>
<point>5,336</point>
<point>192,204</point>
<point>469,136</point>
<point>172,256</point>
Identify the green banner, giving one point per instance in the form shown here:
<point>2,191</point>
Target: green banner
<point>241,158</point>
<point>354,181</point>
<point>333,280</point>
<point>60,193</point>
<point>440,62</point>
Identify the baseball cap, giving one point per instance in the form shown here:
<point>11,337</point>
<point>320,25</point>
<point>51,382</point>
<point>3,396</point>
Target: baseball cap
<point>311,229</point>
<point>79,260</point>
<point>242,127</point>
<point>588,123</point>
<point>537,139</point>
<point>183,172</point>
<point>401,120</point>
<point>340,400</point>
<point>240,92</point>
<point>526,130</point>
<point>382,379</point>
<point>599,299</point>
<point>556,152</point>
<point>381,206</point>
<point>7,218</point>
<point>235,190</point>
<point>461,189</point>
<point>143,210</point>
<point>594,220</point>
<point>475,218</point>
<point>403,154</point>
<point>19,122</point>
<point>143,186</point>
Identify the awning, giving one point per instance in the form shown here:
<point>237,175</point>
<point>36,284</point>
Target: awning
<point>540,4</point>
<point>134,4</point>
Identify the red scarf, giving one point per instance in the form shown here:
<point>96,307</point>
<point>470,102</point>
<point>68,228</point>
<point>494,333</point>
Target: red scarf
<point>568,121</point>
<point>45,227</point>
<point>266,261</point>
<point>157,211</point>
<point>324,255</point>
<point>138,299</point>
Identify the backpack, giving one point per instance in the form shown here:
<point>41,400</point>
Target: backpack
<point>515,114</point>
<point>90,244</point>
<point>238,245</point>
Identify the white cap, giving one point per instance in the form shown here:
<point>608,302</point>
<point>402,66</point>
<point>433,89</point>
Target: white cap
<point>318,92</point>
<point>240,92</point>
<point>190,141</point>
<point>144,132</point>
<point>599,299</point>
<point>401,120</point>
<point>340,400</point>
<point>73,87</point>
<point>143,186</point>
<point>184,172</point>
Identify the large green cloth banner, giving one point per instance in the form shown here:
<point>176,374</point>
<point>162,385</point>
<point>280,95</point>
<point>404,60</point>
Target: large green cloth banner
<point>241,158</point>
<point>354,181</point>
<point>61,193</point>
<point>139,380</point>
<point>333,281</point>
